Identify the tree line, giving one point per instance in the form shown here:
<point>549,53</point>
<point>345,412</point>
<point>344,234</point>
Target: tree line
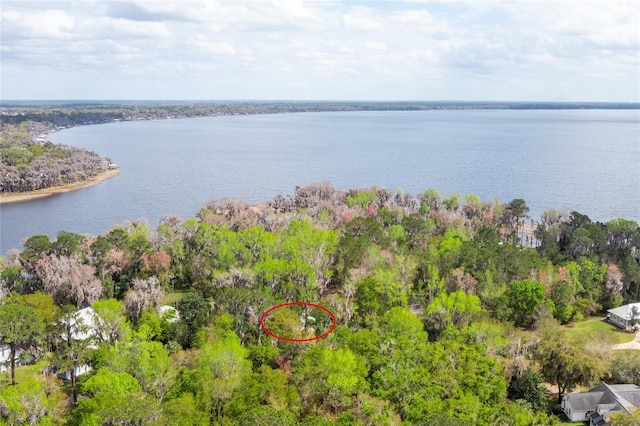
<point>445,313</point>
<point>67,114</point>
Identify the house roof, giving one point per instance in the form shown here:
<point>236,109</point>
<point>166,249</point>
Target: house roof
<point>4,353</point>
<point>597,419</point>
<point>605,398</point>
<point>625,310</point>
<point>585,401</point>
<point>170,313</point>
<point>86,317</point>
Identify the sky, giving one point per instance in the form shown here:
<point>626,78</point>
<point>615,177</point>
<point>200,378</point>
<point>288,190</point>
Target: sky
<point>517,50</point>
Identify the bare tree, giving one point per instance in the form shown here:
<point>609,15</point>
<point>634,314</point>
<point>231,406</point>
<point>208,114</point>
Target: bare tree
<point>310,195</point>
<point>68,280</point>
<point>282,204</point>
<point>117,261</point>
<point>144,294</point>
<point>614,283</point>
<point>56,165</point>
<point>227,207</point>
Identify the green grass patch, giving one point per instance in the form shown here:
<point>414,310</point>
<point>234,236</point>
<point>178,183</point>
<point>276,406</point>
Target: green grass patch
<point>596,327</point>
<point>23,372</point>
<point>172,298</point>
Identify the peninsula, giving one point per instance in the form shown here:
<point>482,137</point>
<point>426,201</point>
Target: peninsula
<point>16,197</point>
<point>33,167</point>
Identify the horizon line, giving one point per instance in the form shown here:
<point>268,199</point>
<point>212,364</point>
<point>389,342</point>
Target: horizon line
<point>451,101</point>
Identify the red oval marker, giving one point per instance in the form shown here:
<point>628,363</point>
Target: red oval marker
<point>266,330</point>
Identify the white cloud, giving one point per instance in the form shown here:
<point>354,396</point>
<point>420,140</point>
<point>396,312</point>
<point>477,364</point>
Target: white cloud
<point>211,47</point>
<point>362,19</point>
<point>300,49</point>
<point>125,28</point>
<point>50,23</point>
<point>420,17</point>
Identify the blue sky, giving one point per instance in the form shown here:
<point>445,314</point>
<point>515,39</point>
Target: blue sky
<point>561,50</point>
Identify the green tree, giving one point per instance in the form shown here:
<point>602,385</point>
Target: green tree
<point>380,292</point>
<point>194,311</point>
<point>624,419</point>
<point>328,379</point>
<point>454,309</point>
<point>359,234</point>
<point>625,367</point>
<point>11,279</point>
<point>20,329</point>
<point>113,322</point>
<point>400,362</point>
<point>111,383</point>
<point>284,322</point>
<point>221,368</point>
<point>68,243</point>
<point>183,411</point>
<point>524,298</point>
<point>566,365</point>
<point>312,246</point>
<point>290,279</point>
<point>265,415</point>
<point>153,368</point>
<point>528,387</point>
<point>128,409</point>
<point>48,312</point>
<point>449,249</point>
<point>264,387</point>
<point>34,400</point>
<point>74,341</point>
<point>514,212</point>
<point>563,297</point>
<point>34,248</point>
<point>622,235</point>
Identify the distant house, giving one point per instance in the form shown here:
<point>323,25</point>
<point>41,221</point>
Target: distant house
<point>88,318</point>
<point>595,405</point>
<point>169,313</point>
<point>5,350</point>
<point>84,324</point>
<point>5,358</point>
<point>626,316</point>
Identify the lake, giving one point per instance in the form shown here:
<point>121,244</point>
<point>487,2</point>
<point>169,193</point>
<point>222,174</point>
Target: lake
<point>584,160</point>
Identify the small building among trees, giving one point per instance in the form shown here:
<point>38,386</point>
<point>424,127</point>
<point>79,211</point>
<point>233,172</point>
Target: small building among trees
<point>5,352</point>
<point>626,316</point>
<point>595,405</point>
<point>78,334</point>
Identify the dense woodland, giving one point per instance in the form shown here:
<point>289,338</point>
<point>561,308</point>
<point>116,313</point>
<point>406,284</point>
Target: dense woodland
<point>447,314</point>
<point>29,163</point>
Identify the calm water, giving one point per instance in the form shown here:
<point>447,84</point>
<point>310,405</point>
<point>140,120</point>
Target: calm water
<point>584,160</point>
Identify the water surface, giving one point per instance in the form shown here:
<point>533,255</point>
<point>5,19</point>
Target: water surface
<point>584,160</point>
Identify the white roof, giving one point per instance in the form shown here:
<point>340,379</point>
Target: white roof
<point>625,310</point>
<point>88,317</point>
<point>4,353</point>
<point>169,312</point>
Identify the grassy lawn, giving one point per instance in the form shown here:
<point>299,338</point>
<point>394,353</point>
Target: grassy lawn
<point>596,327</point>
<point>172,298</point>
<point>22,372</point>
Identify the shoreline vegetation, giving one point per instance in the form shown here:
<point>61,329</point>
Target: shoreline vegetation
<point>17,197</point>
<point>26,125</point>
<point>51,116</point>
<point>433,296</point>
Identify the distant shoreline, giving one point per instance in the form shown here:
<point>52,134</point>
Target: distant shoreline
<point>16,197</point>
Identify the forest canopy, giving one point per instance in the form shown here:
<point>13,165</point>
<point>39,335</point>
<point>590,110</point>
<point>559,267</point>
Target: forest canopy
<point>446,307</point>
